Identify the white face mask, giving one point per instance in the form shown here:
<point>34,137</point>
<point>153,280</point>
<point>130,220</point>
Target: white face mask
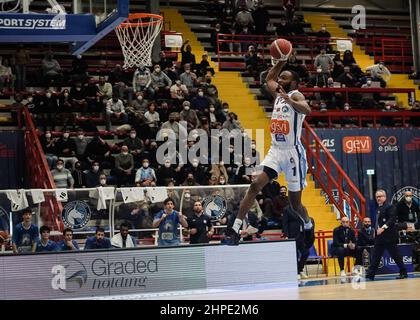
<point>408,199</point>
<point>230,150</point>
<point>211,110</point>
<point>186,108</point>
<point>201,93</point>
<point>187,71</point>
<point>221,163</point>
<point>30,99</point>
<point>66,94</point>
<point>66,135</point>
<point>125,153</point>
<point>346,108</point>
<point>368,82</point>
<point>195,164</point>
<point>145,165</point>
<point>103,181</point>
<point>80,136</point>
<point>95,168</point>
<point>157,70</point>
<point>132,135</point>
<point>167,164</point>
<point>78,88</point>
<point>253,146</point>
<point>48,95</point>
<point>225,110</point>
<point>48,135</point>
<point>222,181</point>
<point>60,167</point>
<point>139,98</point>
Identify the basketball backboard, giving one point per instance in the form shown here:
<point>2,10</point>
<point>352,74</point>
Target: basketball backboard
<point>82,25</point>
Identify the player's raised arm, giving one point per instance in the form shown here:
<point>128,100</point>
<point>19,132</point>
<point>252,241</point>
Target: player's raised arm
<point>273,75</point>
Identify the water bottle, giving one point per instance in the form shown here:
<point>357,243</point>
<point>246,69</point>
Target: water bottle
<point>365,258</point>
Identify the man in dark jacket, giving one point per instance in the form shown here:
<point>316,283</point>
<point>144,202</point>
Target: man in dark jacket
<point>365,238</point>
<point>408,212</point>
<point>344,243</point>
<point>386,236</point>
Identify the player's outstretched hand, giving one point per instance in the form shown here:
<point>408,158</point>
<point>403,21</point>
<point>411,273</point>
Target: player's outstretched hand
<point>284,94</point>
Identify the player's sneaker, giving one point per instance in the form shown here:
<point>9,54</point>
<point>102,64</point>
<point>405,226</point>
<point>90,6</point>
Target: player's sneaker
<point>231,237</point>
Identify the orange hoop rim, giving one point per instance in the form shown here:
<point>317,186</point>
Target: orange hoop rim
<point>133,16</point>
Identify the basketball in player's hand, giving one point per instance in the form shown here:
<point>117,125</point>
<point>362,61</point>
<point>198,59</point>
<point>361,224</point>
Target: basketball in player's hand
<point>281,49</point>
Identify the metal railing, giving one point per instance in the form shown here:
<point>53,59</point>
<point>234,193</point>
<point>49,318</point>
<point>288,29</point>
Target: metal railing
<point>329,179</point>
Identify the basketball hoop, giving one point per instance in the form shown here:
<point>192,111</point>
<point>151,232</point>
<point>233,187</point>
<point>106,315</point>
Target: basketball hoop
<point>137,35</point>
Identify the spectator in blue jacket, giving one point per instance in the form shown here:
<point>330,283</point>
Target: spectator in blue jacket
<point>99,241</point>
<point>45,244</point>
<point>68,243</point>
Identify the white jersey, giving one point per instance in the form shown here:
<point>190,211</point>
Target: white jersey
<point>286,124</point>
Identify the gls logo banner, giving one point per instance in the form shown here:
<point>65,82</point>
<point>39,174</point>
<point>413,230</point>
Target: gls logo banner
<point>357,144</point>
<point>388,144</point>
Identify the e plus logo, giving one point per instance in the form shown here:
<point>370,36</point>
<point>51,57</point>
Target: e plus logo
<point>388,144</point>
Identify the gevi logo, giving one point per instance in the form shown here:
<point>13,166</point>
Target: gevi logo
<point>357,144</point>
<point>69,277</point>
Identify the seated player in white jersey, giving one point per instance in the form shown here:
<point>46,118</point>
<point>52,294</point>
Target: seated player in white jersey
<point>286,153</point>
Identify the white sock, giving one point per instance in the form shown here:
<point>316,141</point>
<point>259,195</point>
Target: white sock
<point>237,225</point>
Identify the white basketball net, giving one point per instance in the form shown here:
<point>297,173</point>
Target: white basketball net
<point>136,39</point>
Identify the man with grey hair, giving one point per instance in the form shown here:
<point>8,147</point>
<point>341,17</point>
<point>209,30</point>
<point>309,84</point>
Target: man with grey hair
<point>189,115</point>
<point>386,236</point>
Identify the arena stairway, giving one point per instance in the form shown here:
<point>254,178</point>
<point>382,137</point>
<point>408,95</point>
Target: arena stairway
<point>233,89</point>
<point>363,59</point>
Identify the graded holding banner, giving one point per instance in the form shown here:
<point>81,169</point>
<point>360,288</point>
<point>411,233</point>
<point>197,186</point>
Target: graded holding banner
<point>129,271</point>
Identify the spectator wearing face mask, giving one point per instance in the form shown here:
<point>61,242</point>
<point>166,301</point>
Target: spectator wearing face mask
<point>124,165</point>
<point>92,177</point>
<point>179,91</point>
<point>200,102</point>
<point>214,116</point>
<point>161,83</point>
<point>231,122</point>
<point>318,80</point>
<point>380,72</point>
<point>145,176</point>
<point>324,61</point>
<point>81,142</point>
<point>66,148</point>
<point>244,172</point>
<point>115,109</point>
<point>368,99</point>
<point>105,89</point>
<point>188,78</point>
<point>347,79</point>
<point>408,212</point>
<point>134,143</point>
<point>388,121</point>
<point>142,80</point>
<point>62,176</point>
<point>165,173</point>
<point>189,115</point>
<point>219,170</point>
<point>138,105</point>
<point>48,145</point>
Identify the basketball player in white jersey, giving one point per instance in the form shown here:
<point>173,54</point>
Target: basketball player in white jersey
<point>286,153</point>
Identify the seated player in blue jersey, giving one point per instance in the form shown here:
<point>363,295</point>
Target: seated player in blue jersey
<point>98,241</point>
<point>25,235</point>
<point>44,243</point>
<point>68,243</point>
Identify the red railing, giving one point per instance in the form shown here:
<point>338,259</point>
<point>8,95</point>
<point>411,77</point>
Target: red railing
<point>39,176</point>
<point>360,116</point>
<point>263,42</point>
<point>323,168</point>
<point>410,91</point>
